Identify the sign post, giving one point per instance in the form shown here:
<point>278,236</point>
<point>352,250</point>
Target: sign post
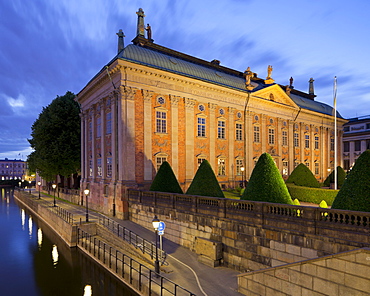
<point>161,228</point>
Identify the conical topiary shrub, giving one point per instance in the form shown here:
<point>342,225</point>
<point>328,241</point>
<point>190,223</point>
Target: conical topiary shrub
<point>302,176</point>
<point>266,183</point>
<point>355,192</point>
<point>165,180</point>
<point>341,176</point>
<point>205,182</point>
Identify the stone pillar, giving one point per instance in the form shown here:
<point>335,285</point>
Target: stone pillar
<point>140,31</point>
<point>175,133</point>
<point>212,134</point>
<point>148,149</point>
<point>231,142</point>
<point>248,142</point>
<point>263,133</point>
<point>291,147</point>
<point>189,139</point>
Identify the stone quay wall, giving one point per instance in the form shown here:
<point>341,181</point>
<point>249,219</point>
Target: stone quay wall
<point>344,273</point>
<point>67,231</point>
<point>253,235</point>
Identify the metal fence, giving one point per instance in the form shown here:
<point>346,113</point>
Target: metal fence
<point>132,238</point>
<point>142,278</point>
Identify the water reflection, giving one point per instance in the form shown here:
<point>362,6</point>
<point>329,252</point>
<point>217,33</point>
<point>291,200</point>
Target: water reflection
<point>42,264</point>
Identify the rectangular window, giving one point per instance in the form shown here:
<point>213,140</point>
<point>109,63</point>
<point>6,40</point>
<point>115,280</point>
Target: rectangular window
<point>221,129</point>
<point>346,128</point>
<point>331,143</point>
<point>159,161</point>
<point>367,144</point>
<point>201,127</point>
<point>238,131</point>
<point>346,146</point>
<point>221,167</point>
<point>90,168</point>
<point>109,167</point>
<point>357,145</point>
<point>296,163</point>
<point>285,168</point>
<point>307,164</point>
<point>200,160</point>
<point>161,122</point>
<point>98,162</point>
<point>256,134</point>
<point>296,139</point>
<point>271,136</point>
<point>317,142</point>
<point>367,125</point>
<point>98,127</point>
<point>307,141</point>
<point>346,164</point>
<point>317,168</point>
<point>285,138</point>
<point>90,130</point>
<point>109,123</point>
<point>239,166</point>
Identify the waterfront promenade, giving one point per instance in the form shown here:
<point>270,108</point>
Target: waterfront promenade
<point>183,267</point>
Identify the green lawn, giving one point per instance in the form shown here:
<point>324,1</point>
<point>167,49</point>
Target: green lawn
<point>231,195</point>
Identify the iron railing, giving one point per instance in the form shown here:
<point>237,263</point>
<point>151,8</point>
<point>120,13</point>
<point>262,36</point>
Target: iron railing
<point>139,276</point>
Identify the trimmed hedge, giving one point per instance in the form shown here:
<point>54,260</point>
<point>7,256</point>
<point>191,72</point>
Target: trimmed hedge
<point>266,183</point>
<point>355,192</point>
<point>302,176</point>
<point>341,176</point>
<point>205,182</point>
<point>313,195</point>
<point>165,180</point>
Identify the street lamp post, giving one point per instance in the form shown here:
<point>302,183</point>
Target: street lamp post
<point>242,170</point>
<point>39,183</point>
<point>87,191</point>
<point>54,186</point>
<point>155,223</point>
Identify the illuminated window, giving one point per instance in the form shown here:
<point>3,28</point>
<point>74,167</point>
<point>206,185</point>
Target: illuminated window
<point>221,129</point>
<point>109,167</point>
<point>98,162</point>
<point>285,168</point>
<point>161,122</point>
<point>238,131</point>
<point>238,165</point>
<point>317,168</point>
<point>160,160</point>
<point>221,167</point>
<point>201,127</point>
<point>200,160</point>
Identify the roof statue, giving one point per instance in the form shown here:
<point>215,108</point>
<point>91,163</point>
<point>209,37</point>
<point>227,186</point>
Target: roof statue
<point>291,82</point>
<point>248,76</point>
<point>269,71</point>
<point>268,79</point>
<point>140,22</point>
<point>149,32</point>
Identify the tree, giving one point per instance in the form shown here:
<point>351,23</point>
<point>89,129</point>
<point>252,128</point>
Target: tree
<point>354,195</point>
<point>205,182</point>
<point>266,183</point>
<point>56,139</point>
<point>302,176</point>
<point>165,180</point>
<point>341,176</point>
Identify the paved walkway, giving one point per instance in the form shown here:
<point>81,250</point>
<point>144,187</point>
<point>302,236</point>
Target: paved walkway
<point>183,267</point>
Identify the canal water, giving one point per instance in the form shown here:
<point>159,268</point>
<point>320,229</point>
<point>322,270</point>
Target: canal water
<point>34,261</point>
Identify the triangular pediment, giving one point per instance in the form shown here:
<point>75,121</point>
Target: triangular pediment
<point>275,93</point>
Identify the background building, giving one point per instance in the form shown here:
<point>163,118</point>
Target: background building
<point>152,104</point>
<point>12,169</point>
<point>356,139</point>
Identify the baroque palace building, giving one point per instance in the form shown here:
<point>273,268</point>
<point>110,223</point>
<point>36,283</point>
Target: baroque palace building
<point>151,104</point>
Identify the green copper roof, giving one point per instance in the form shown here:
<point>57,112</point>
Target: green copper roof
<point>169,62</point>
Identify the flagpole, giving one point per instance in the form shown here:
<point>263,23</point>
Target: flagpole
<point>335,135</point>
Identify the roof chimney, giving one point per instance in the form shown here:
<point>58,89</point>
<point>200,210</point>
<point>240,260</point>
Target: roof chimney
<point>121,44</point>
<point>310,89</point>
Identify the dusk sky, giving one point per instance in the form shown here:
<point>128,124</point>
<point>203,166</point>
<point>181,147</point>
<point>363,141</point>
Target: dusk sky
<point>51,47</point>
